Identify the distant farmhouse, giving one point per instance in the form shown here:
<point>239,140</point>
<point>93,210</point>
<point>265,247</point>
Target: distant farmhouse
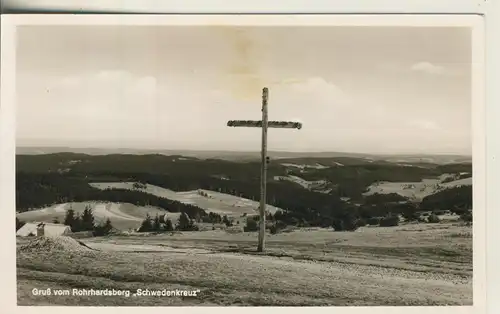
<point>43,229</point>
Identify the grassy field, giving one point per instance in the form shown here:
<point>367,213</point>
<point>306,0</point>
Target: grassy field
<point>220,203</point>
<point>415,190</point>
<point>422,264</point>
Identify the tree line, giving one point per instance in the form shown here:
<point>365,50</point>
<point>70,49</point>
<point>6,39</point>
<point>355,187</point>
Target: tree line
<point>159,224</point>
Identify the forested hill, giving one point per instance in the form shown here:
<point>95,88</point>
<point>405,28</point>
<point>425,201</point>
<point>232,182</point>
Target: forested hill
<point>63,177</point>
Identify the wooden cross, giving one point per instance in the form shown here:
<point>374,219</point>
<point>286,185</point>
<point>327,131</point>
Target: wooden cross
<point>264,124</point>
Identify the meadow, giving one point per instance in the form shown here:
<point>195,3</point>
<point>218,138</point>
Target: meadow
<point>220,203</point>
<point>413,264</point>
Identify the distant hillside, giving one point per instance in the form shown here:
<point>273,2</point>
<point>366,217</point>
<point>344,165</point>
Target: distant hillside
<point>417,191</point>
<point>308,189</point>
<point>249,156</point>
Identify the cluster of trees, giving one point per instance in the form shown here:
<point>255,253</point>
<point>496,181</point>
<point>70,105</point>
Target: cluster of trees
<point>212,218</point>
<point>86,222</point>
<point>384,210</point>
<point>156,224</point>
<point>458,200</point>
<point>226,221</point>
<point>159,224</point>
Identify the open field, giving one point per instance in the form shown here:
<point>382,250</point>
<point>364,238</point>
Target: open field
<point>315,166</point>
<point>406,265</point>
<point>220,203</point>
<point>415,190</point>
<point>304,183</point>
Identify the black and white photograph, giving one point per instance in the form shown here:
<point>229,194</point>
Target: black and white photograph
<point>219,164</point>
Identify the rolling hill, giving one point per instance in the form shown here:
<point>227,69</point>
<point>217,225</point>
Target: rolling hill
<point>210,201</point>
<point>416,191</point>
<point>123,216</point>
<point>315,189</point>
<point>249,155</point>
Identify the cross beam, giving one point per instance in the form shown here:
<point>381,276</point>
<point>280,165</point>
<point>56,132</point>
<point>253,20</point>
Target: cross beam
<point>270,124</point>
<point>264,124</point>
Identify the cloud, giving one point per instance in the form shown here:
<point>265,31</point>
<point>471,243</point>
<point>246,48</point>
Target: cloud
<point>427,67</point>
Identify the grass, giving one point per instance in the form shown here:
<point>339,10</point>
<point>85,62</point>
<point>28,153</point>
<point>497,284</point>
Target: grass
<point>415,190</point>
<point>373,266</point>
<point>220,203</point>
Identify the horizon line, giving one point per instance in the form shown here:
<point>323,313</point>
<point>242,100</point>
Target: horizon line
<point>249,151</point>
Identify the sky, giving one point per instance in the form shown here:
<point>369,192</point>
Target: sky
<point>355,89</point>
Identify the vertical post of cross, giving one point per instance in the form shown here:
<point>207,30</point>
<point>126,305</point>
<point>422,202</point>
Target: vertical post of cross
<point>263,178</point>
<point>264,124</point>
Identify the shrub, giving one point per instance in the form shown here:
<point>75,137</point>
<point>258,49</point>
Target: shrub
<point>303,223</point>
<point>345,220</point>
<point>157,223</point>
<point>361,222</point>
<point>146,225</point>
<point>185,224</point>
<point>69,219</point>
<point>251,226</point>
<point>389,221</point>
<point>433,219</point>
<point>168,225</point>
<point>467,217</point>
<point>277,226</point>
<point>273,229</point>
<point>87,219</point>
<point>373,221</point>
<point>103,229</point>
<point>346,224</point>
<point>194,228</point>
<point>326,223</point>
<point>226,221</point>
<point>410,215</point>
